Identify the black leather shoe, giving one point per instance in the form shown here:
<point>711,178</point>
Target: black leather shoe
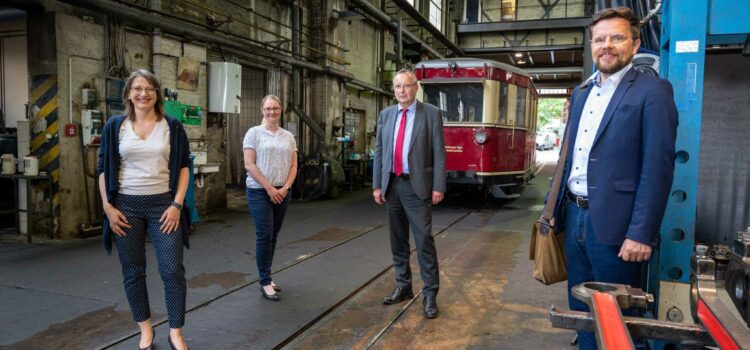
<point>171,345</point>
<point>272,297</point>
<point>150,347</point>
<point>430,306</point>
<point>399,294</point>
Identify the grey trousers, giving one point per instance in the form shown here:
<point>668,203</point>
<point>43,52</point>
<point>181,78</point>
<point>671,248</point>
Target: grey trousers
<point>406,210</point>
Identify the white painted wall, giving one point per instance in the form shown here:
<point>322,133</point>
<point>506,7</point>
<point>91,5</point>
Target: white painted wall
<point>15,76</point>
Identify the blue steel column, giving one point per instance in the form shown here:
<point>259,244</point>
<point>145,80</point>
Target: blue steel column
<point>683,43</point>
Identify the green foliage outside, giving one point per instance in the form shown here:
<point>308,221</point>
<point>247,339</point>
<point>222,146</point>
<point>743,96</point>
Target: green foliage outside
<point>549,112</point>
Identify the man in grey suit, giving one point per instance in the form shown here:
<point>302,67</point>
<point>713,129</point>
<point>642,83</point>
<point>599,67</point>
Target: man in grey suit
<point>409,177</point>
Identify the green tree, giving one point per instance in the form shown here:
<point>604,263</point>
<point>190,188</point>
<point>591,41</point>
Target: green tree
<point>550,109</point>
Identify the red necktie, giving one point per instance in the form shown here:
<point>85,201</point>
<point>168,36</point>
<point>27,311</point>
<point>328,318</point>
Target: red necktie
<point>398,161</point>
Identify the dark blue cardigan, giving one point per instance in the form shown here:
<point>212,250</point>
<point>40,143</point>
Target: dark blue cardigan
<point>109,164</point>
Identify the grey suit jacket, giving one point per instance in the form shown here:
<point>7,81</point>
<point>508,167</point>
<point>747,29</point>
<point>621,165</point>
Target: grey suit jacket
<point>426,151</point>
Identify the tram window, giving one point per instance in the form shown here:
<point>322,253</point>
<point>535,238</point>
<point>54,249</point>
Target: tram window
<point>503,105</point>
<point>521,107</point>
<point>459,102</point>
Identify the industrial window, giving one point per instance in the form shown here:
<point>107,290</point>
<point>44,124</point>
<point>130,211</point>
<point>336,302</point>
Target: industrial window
<point>508,10</point>
<point>472,10</point>
<point>459,102</point>
<point>436,14</point>
<point>521,107</point>
<point>503,104</point>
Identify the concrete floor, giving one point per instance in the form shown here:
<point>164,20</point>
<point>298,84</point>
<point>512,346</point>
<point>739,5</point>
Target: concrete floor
<point>333,263</point>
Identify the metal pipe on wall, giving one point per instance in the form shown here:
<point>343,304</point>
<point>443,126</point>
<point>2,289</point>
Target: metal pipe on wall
<point>296,74</point>
<point>388,21</point>
<point>399,36</point>
<point>200,34</point>
<point>296,79</point>
<point>106,48</point>
<point>2,82</point>
<point>80,133</point>
<point>417,16</point>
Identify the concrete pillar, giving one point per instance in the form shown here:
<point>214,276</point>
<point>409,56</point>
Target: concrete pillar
<point>43,104</point>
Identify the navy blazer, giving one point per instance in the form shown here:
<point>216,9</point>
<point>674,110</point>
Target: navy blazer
<point>109,165</point>
<point>631,163</point>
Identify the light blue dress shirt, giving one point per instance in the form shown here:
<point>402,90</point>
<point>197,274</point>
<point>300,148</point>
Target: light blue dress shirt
<point>591,118</point>
<point>411,112</point>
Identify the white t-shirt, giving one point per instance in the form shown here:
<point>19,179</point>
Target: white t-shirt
<point>273,154</point>
<point>144,163</point>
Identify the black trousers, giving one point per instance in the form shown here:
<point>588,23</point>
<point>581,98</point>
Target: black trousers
<point>406,210</point>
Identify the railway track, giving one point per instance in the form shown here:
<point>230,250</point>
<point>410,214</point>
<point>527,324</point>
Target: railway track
<point>306,258</point>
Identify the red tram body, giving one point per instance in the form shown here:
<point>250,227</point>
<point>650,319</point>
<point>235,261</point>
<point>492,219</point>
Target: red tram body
<point>489,119</point>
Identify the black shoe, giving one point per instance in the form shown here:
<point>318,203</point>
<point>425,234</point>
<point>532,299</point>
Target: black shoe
<point>430,306</point>
<point>399,294</point>
<point>150,347</point>
<point>273,297</point>
<point>171,345</point>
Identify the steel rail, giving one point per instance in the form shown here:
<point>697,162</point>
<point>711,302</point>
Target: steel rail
<point>243,285</point>
<point>395,318</point>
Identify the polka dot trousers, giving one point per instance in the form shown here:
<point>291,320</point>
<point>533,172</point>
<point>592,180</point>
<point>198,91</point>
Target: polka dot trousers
<point>143,213</point>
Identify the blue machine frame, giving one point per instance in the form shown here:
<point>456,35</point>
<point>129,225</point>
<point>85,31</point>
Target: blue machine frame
<point>688,26</point>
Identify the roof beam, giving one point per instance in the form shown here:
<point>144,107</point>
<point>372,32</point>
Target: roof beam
<point>425,23</point>
<point>390,22</point>
<point>557,23</point>
<point>555,70</point>
<point>482,50</point>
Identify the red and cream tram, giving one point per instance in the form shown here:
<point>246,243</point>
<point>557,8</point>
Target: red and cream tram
<point>489,116</point>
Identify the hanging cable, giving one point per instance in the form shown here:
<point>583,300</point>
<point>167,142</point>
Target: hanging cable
<point>651,13</point>
<point>117,49</point>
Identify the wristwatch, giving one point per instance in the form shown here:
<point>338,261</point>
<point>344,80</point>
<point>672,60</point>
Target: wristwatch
<point>176,205</point>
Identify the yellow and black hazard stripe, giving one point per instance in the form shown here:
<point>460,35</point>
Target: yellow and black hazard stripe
<point>45,140</point>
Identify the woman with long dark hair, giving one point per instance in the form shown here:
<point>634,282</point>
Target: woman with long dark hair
<point>143,179</point>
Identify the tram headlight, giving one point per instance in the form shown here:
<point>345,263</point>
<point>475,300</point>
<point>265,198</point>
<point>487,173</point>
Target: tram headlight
<point>480,137</point>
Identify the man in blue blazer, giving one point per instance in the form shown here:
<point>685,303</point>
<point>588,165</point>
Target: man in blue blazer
<point>409,177</point>
<point>620,163</point>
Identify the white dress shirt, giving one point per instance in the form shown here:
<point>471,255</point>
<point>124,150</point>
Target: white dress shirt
<point>591,116</point>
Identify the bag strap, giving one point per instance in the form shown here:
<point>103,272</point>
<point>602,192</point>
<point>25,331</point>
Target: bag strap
<point>549,207</point>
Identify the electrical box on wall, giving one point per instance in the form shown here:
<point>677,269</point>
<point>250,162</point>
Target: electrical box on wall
<point>91,122</point>
<point>224,89</point>
<point>187,114</point>
<point>114,89</point>
<point>88,97</point>
<point>71,130</point>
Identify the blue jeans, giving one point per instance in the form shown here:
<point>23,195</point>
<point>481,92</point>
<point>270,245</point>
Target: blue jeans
<point>590,260</point>
<point>268,218</point>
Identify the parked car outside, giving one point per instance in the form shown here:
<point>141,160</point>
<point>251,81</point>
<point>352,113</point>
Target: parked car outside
<point>545,140</point>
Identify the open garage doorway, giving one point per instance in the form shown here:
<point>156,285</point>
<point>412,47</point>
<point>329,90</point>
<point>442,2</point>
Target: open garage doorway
<point>551,119</point>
